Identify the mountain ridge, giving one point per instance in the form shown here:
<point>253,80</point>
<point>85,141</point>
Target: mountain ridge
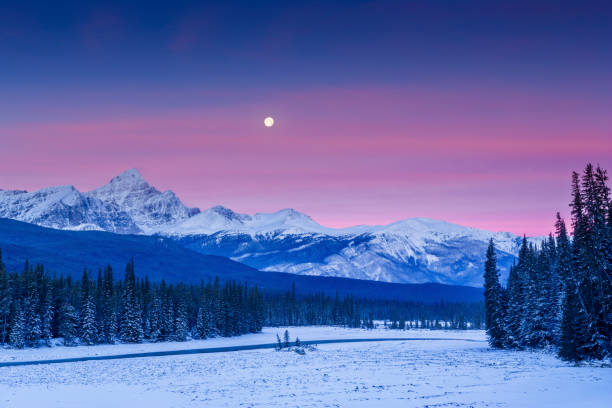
<point>413,250</point>
<point>69,252</point>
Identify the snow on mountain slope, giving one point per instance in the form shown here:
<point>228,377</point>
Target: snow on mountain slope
<point>127,205</point>
<point>148,208</point>
<point>64,208</point>
<point>410,251</point>
<point>220,219</point>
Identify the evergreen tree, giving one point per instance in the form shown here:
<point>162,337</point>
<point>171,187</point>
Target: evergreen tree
<point>583,324</point>
<point>202,323</point>
<point>109,316</point>
<point>155,318</point>
<point>67,327</point>
<point>167,312</point>
<point>17,334</point>
<point>33,323</point>
<point>180,321</point>
<point>47,312</point>
<point>5,303</point>
<point>88,321</point>
<point>493,300</point>
<point>88,332</point>
<point>514,311</point>
<point>131,319</point>
<point>550,293</point>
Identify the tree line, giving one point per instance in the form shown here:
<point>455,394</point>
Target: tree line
<point>37,306</point>
<point>559,294</point>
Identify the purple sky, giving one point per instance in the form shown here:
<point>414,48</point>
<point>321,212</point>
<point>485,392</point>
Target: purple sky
<point>475,117</point>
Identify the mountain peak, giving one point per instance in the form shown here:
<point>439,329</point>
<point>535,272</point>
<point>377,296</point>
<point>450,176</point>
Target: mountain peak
<point>227,213</point>
<point>131,176</point>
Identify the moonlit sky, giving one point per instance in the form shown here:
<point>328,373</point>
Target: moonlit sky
<point>471,112</point>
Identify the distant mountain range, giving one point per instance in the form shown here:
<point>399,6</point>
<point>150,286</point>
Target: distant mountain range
<point>69,252</point>
<point>415,250</point>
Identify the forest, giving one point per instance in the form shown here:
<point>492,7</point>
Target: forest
<point>559,294</point>
<point>37,306</point>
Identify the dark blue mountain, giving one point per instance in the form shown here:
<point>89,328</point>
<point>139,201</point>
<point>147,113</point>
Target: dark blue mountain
<point>69,252</point>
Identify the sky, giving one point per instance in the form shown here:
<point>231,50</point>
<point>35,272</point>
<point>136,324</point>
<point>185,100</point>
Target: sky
<point>470,112</point>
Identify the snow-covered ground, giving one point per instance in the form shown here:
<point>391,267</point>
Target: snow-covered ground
<point>268,335</point>
<point>417,373</point>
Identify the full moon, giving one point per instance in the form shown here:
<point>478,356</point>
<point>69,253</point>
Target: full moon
<point>269,122</point>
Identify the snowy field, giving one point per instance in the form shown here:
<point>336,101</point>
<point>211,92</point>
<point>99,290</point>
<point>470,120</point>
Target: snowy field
<point>268,335</point>
<point>421,373</point>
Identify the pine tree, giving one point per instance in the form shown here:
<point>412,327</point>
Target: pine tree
<point>5,303</point>
<point>514,311</point>
<point>47,312</point>
<point>180,321</point>
<point>17,334</point>
<point>131,319</point>
<point>569,304</point>
<point>67,327</point>
<point>98,294</point>
<point>88,321</point>
<point>155,318</point>
<point>202,323</point>
<point>550,292</point>
<point>109,315</point>
<point>33,331</point>
<point>602,270</point>
<point>583,324</point>
<point>168,315</point>
<point>569,347</point>
<point>88,332</point>
<point>493,300</point>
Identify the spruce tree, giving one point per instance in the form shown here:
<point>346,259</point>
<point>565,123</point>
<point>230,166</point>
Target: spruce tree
<point>583,325</point>
<point>155,317</point>
<point>202,323</point>
<point>493,300</point>
<point>514,310</point>
<point>47,312</point>
<point>550,293</point>
<point>131,319</point>
<point>180,320</point>
<point>33,322</point>
<point>109,315</point>
<point>88,321</point>
<point>5,303</point>
<point>602,268</point>
<point>17,333</point>
<point>67,327</point>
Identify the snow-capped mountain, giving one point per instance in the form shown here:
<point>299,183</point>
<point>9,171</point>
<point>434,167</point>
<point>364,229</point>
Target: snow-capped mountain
<point>126,205</point>
<point>147,207</point>
<point>410,251</point>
